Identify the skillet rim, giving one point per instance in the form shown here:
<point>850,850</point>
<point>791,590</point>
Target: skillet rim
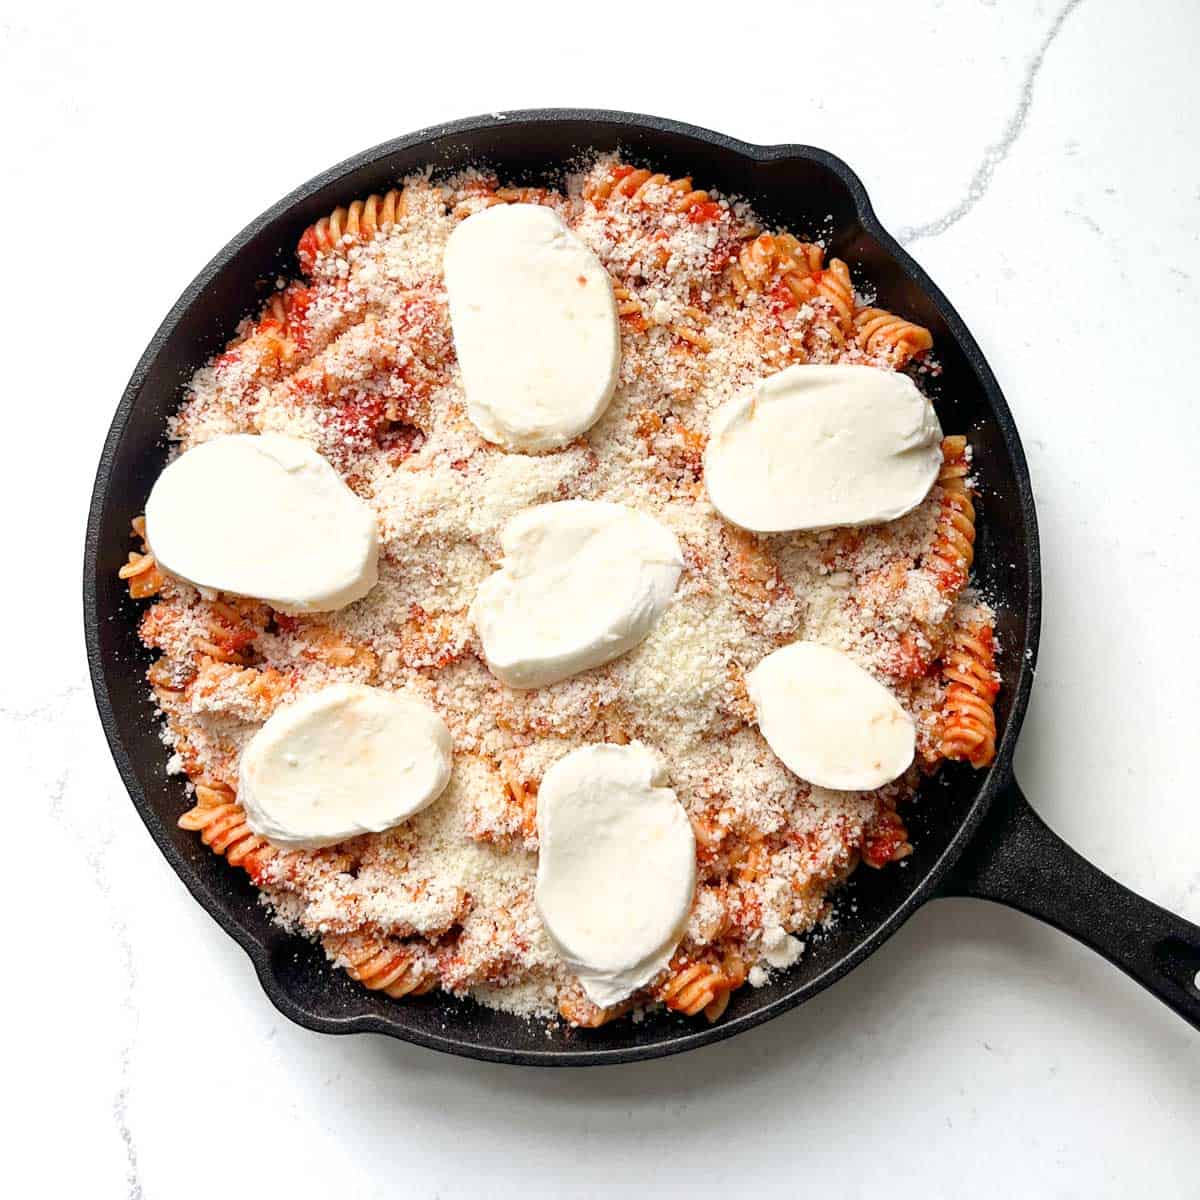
<point>993,782</point>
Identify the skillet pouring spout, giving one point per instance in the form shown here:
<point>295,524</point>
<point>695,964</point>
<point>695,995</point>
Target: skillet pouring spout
<point>1016,859</point>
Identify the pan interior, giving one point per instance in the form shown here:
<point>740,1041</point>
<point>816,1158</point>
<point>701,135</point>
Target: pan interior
<point>813,194</point>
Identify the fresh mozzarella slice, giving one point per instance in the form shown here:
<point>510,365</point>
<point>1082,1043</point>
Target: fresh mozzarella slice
<point>616,867</point>
<point>535,326</point>
<point>346,760</point>
<point>265,517</point>
<point>816,447</point>
<point>828,720</point>
<point>582,582</point>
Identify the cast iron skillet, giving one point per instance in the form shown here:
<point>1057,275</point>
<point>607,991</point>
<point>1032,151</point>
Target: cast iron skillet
<point>974,833</point>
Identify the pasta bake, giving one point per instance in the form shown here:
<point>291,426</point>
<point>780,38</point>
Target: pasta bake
<point>356,357</point>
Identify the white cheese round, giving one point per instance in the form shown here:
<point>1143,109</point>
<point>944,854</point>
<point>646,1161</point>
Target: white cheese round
<point>582,582</point>
<point>346,760</point>
<point>616,867</point>
<point>817,447</point>
<point>265,517</point>
<point>535,326</point>
<point>828,720</point>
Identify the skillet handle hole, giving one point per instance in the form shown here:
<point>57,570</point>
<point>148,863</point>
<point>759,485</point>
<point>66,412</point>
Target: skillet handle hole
<point>1179,960</point>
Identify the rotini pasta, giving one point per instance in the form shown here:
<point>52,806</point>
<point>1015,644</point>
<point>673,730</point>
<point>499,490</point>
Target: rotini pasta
<point>954,548</point>
<point>642,187</point>
<point>832,289</point>
<point>382,965</point>
<point>770,256</point>
<point>968,717</point>
<point>795,273</point>
<point>221,824</point>
<point>359,222</point>
<point>141,571</point>
<point>224,637</point>
<point>701,987</point>
<point>889,337</point>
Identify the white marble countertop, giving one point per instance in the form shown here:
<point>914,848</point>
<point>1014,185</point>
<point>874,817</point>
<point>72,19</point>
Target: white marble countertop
<point>1041,161</point>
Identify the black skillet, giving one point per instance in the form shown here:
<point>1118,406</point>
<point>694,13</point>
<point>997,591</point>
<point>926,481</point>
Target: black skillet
<point>974,832</point>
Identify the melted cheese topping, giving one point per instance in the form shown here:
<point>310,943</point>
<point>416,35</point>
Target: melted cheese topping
<point>581,583</point>
<point>816,447</point>
<point>535,326</point>
<point>617,867</point>
<point>265,517</point>
<point>339,762</point>
<point>828,720</point>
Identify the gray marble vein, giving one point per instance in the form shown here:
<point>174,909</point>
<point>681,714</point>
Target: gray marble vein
<point>1084,220</point>
<point>998,151</point>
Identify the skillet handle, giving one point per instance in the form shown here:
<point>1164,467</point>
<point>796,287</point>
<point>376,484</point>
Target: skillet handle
<point>1016,859</point>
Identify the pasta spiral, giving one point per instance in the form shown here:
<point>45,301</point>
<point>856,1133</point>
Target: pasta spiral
<point>382,965</point>
<point>486,195</point>
<point>807,258</point>
<point>221,824</point>
<point>642,187</point>
<point>968,719</point>
<point>954,542</point>
<point>695,987</point>
<point>227,637</point>
<point>359,222</point>
<point>141,571</point>
<point>212,792</point>
<point>803,277</point>
<point>761,258</point>
<point>755,263</point>
<point>833,287</point>
<point>143,575</point>
<point>892,338</point>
